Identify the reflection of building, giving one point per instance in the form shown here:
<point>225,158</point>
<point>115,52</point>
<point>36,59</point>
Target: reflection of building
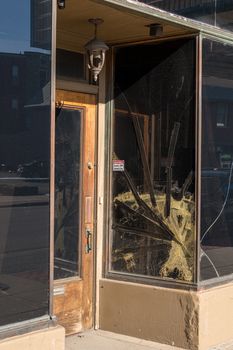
<point>21,100</point>
<point>40,24</point>
<point>12,70</point>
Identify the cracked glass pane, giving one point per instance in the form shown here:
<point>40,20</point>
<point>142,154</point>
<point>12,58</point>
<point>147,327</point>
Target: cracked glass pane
<point>217,161</point>
<point>153,163</point>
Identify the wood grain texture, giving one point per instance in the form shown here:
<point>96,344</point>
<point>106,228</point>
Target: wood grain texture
<point>74,308</point>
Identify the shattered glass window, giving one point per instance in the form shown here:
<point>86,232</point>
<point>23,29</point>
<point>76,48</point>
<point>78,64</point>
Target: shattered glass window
<point>153,161</point>
<point>217,161</point>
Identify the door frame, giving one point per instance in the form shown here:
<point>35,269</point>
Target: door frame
<point>101,124</point>
<point>74,297</point>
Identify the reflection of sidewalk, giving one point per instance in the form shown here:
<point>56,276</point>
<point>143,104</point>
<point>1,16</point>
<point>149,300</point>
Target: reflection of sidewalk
<point>8,201</point>
<point>21,295</point>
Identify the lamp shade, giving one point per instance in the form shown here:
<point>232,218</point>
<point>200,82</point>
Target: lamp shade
<point>96,56</point>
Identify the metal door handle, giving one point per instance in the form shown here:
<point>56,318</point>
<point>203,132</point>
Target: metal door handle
<point>89,241</point>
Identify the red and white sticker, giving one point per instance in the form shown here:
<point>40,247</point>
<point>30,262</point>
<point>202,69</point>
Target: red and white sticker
<point>118,165</point>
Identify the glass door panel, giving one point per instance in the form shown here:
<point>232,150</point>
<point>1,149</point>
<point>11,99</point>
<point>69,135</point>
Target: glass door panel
<point>67,198</point>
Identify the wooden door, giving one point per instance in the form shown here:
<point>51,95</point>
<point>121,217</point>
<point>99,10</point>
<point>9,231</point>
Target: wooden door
<point>74,210</point>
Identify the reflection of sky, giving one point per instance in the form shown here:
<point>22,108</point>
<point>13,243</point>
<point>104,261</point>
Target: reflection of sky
<point>15,26</point>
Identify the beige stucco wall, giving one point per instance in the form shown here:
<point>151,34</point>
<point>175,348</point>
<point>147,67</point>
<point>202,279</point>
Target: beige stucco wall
<point>166,316</point>
<point>216,316</point>
<point>46,339</point>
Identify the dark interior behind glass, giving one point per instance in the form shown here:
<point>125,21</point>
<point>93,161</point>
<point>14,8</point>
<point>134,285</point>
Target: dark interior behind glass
<point>153,203</point>
<point>70,65</point>
<point>67,184</point>
<point>217,161</point>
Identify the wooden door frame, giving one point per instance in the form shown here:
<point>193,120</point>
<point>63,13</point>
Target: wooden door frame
<point>101,124</point>
<point>86,291</point>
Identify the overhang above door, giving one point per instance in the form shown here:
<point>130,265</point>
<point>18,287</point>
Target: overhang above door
<point>120,25</point>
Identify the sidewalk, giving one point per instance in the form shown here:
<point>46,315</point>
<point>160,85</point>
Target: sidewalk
<point>101,340</point>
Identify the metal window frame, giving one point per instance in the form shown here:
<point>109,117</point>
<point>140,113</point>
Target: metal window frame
<point>216,281</point>
<point>48,320</point>
<point>198,132</point>
<point>52,156</point>
<point>24,327</point>
<point>196,284</point>
<point>121,276</point>
<point>108,152</point>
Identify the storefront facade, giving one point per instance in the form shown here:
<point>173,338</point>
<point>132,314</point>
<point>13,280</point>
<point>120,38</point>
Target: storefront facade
<point>115,201</point>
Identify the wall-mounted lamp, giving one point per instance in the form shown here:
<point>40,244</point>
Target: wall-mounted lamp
<point>96,50</point>
<point>61,4</point>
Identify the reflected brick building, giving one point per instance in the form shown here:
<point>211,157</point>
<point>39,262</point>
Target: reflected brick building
<point>40,24</point>
<point>22,102</point>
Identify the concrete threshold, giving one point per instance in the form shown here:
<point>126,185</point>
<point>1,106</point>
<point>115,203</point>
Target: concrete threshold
<point>101,340</point>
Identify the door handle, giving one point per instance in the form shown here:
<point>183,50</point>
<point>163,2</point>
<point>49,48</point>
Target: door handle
<point>89,240</point>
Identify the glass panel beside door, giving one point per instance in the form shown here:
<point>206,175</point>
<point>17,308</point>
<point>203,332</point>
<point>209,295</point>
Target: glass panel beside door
<point>153,161</point>
<point>25,105</point>
<point>67,197</point>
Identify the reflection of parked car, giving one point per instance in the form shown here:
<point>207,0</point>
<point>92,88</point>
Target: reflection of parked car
<point>35,169</point>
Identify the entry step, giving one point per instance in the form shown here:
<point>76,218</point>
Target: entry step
<point>101,340</point>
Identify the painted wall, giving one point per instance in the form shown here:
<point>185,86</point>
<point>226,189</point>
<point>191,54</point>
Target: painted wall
<point>166,316</point>
<point>190,320</point>
<point>46,339</point>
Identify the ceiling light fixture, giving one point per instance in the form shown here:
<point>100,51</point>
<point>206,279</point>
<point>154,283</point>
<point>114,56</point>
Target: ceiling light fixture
<point>96,50</point>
